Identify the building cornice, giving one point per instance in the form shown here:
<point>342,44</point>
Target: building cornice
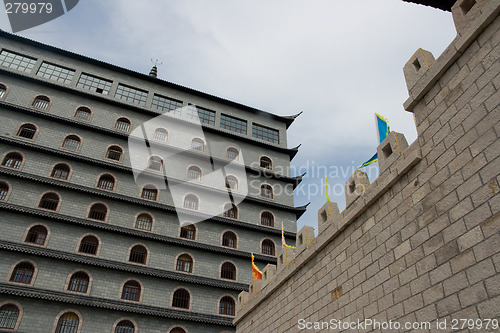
<point>115,305</point>
<point>125,136</point>
<point>284,119</point>
<point>56,217</point>
<point>289,151</point>
<point>119,266</point>
<point>76,157</point>
<point>143,203</point>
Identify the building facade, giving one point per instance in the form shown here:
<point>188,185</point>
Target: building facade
<point>94,236</point>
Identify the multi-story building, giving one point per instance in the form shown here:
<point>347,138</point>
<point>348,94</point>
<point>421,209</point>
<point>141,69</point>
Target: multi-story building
<point>91,240</point>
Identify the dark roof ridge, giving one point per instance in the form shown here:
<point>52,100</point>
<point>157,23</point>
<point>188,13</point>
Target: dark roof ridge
<point>146,77</point>
<point>439,4</point>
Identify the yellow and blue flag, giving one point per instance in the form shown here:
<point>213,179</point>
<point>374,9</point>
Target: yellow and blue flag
<point>383,130</point>
<point>382,126</point>
<point>373,159</point>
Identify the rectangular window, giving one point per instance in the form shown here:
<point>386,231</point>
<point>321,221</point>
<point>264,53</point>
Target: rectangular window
<point>265,133</point>
<point>204,115</point>
<point>165,104</point>
<point>56,73</point>
<point>233,124</point>
<point>131,94</point>
<point>93,83</point>
<point>17,61</point>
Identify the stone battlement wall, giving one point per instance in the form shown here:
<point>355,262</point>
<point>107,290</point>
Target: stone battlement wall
<point>422,242</point>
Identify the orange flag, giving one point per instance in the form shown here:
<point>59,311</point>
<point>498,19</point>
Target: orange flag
<point>256,273</point>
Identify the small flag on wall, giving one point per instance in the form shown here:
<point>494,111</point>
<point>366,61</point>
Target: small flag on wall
<point>283,242</point>
<point>327,198</point>
<point>256,273</point>
<point>383,130</point>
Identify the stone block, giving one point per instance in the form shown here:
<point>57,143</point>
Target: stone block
<point>242,300</point>
<point>304,237</point>
<point>355,186</point>
<point>327,215</point>
<point>285,256</point>
<point>254,288</point>
<point>390,149</point>
<point>268,274</point>
<point>415,68</point>
<point>466,11</point>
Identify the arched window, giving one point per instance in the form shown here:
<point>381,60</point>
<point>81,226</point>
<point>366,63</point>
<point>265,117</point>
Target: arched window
<point>27,131</point>
<point>89,245</point>
<point>36,235</point>
<point>268,247</point>
<point>72,142</point>
<point>125,326</point>
<point>4,190</point>
<point>160,134</point>
<point>3,90</point>
<point>266,191</point>
<point>177,330</point>
<point>83,113</point>
<point>23,272</point>
<point>106,182</point>
<point>231,211</point>
<point>41,102</point>
<point>122,124</point>
<point>228,271</point>
<point>144,222</point>
<point>191,201</point>
<point>188,231</point>
<point>155,163</point>
<point>138,254</point>
<point>79,282</point>
<point>198,144</point>
<point>13,160</point>
<point>49,201</point>
<point>266,163</point>
<point>267,219</point>
<point>229,239</point>
<point>149,192</point>
<point>60,171</point>
<point>226,306</point>
<point>131,291</point>
<point>194,173</point>
<point>181,299</point>
<point>98,211</point>
<point>8,316</point>
<point>232,153</point>
<point>185,263</point>
<point>68,323</point>
<point>114,153</point>
<point>232,182</point>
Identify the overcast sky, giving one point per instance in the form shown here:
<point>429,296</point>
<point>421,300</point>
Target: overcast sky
<point>337,61</point>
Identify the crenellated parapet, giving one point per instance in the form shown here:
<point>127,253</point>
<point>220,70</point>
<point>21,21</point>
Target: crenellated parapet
<point>395,160</point>
<point>422,71</point>
<point>420,242</point>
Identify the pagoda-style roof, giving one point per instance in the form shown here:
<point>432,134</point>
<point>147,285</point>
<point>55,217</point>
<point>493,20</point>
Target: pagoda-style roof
<point>288,120</point>
<point>440,4</point>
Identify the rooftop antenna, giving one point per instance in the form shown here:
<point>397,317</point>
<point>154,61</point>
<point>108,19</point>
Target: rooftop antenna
<point>154,70</point>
